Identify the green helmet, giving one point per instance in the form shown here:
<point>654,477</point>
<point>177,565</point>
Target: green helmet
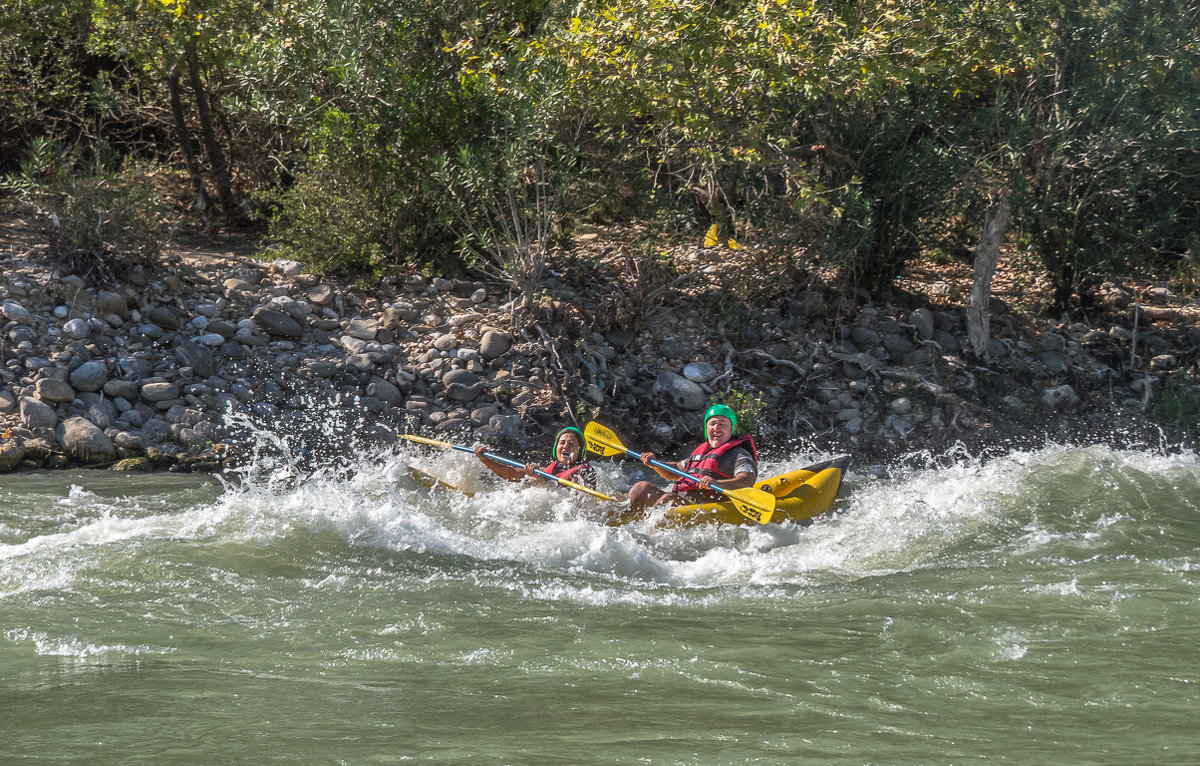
<point>722,411</point>
<point>557,436</point>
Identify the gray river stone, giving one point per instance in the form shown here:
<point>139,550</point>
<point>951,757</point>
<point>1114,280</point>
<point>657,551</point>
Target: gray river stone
<point>384,391</point>
<point>462,385</point>
<point>109,302</point>
<point>277,324</point>
<point>16,312</point>
<point>681,392</point>
<point>56,372</point>
<point>699,372</point>
<point>901,405</point>
<point>77,329</point>
<point>12,453</point>
<point>1060,396</point>
<point>1164,363</point>
<point>494,344</point>
<point>200,358</point>
<point>922,320</point>
<point>236,288</point>
<point>222,327</point>
<point>159,391</point>
<point>120,389</point>
<point>151,330</point>
<point>482,416</point>
<point>897,345</point>
<point>90,376</point>
<point>53,391</point>
<point>947,341</point>
<point>85,442</point>
<point>1054,362</point>
<point>321,295</point>
<point>363,329</point>
<point>164,317</point>
<point>864,337</point>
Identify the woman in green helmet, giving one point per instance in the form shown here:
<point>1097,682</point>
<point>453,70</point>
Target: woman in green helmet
<point>722,460</point>
<point>566,462</point>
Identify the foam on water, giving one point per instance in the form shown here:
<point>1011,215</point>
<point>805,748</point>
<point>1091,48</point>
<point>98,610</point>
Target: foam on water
<point>918,517</point>
<point>74,648</point>
<point>956,510</point>
<point>948,589</point>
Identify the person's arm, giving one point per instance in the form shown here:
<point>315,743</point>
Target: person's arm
<point>646,457</point>
<point>739,481</point>
<point>500,469</point>
<point>745,473</point>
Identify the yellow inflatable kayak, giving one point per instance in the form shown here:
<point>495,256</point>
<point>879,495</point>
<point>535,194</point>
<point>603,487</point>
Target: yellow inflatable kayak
<point>803,493</point>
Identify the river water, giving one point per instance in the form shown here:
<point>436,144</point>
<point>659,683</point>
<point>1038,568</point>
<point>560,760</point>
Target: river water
<point>1037,607</point>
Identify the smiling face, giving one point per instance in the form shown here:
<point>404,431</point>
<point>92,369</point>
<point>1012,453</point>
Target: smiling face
<point>718,430</point>
<point>568,449</point>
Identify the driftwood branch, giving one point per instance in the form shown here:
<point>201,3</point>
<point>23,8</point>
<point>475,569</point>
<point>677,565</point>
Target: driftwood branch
<point>759,354</point>
<point>728,373</point>
<point>995,221</point>
<point>909,376</point>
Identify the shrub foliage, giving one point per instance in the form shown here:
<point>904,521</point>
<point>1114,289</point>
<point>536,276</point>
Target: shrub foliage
<point>865,134</point>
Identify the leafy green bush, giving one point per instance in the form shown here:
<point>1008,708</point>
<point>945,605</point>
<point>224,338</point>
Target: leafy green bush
<point>105,219</point>
<point>42,90</point>
<point>109,222</point>
<point>504,203</point>
<point>331,220</point>
<point>46,164</point>
<point>1109,144</point>
<point>748,405</point>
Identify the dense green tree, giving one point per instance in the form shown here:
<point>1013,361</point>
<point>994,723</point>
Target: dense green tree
<point>857,135</point>
<point>44,71</point>
<point>187,46</point>
<point>843,114</point>
<point>374,94</point>
<point>1108,135</point>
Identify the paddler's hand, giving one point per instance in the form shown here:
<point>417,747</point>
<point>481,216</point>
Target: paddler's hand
<point>705,482</point>
<point>479,448</point>
<point>530,469</point>
<point>646,457</point>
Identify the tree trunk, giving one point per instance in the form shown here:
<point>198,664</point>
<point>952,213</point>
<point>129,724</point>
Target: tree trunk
<point>995,221</point>
<point>208,136</point>
<point>185,140</point>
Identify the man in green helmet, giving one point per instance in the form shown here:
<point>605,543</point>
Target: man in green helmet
<point>722,460</point>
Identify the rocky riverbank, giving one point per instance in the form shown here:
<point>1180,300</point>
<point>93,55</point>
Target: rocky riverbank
<point>174,367</point>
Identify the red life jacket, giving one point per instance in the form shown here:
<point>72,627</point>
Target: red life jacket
<point>707,462</point>
<point>558,469</point>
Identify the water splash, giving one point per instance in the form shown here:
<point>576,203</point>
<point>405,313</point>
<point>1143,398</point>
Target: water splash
<point>373,492</point>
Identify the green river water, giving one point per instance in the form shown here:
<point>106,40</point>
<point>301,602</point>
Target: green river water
<point>1035,608</point>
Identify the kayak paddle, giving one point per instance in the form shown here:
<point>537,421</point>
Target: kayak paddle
<point>511,463</point>
<point>429,480</point>
<point>752,503</point>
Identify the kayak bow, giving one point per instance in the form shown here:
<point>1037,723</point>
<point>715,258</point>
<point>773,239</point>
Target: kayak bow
<point>801,494</point>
